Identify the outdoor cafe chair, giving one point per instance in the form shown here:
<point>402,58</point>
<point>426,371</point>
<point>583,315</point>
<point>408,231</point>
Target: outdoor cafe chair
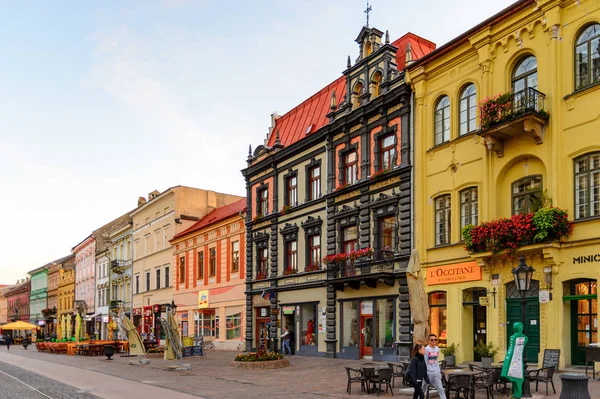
<point>544,375</point>
<point>485,380</point>
<point>398,370</point>
<point>354,376</point>
<point>383,377</point>
<point>462,385</point>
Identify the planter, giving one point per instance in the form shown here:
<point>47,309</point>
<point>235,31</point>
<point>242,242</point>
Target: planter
<point>486,362</point>
<point>159,355</point>
<point>109,350</point>
<point>450,360</point>
<point>266,365</point>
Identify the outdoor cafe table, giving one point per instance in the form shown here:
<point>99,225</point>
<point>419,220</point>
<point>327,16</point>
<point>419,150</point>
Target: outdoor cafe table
<point>454,372</point>
<point>375,367</point>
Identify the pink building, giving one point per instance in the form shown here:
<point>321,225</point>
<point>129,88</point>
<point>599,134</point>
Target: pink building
<point>85,278</point>
<point>17,301</point>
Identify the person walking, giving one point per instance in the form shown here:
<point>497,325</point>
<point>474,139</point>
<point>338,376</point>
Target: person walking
<point>418,371</point>
<point>286,340</point>
<point>432,353</point>
<point>8,341</point>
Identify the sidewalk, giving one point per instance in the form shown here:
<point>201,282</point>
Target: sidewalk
<point>214,378</point>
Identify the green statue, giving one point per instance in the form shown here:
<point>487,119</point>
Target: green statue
<point>514,365</point>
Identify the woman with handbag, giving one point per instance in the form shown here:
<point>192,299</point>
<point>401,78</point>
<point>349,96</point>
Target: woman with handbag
<point>418,370</point>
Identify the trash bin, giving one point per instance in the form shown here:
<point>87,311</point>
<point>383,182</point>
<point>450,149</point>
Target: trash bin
<point>574,386</point>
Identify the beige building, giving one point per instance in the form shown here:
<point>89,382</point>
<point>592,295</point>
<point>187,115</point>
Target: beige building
<point>155,222</point>
<point>3,303</point>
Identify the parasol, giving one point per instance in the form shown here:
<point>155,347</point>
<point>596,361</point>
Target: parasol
<point>77,327</point>
<point>69,329</point>
<point>20,325</point>
<point>419,305</point>
<point>136,347</point>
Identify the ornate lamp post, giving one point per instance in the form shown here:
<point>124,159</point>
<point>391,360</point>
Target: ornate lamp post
<point>522,275</point>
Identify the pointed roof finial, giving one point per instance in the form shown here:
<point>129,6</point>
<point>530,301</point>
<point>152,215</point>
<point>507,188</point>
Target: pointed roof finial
<point>409,58</point>
<point>277,142</point>
<point>349,62</point>
<point>387,37</point>
<point>250,151</point>
<point>333,103</point>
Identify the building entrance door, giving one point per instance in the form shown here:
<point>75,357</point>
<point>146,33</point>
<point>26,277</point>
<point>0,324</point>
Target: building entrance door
<point>584,318</point>
<point>366,329</point>
<point>479,328</point>
<point>532,324</point>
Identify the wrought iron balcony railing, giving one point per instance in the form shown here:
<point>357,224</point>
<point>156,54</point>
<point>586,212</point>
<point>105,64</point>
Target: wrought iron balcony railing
<point>379,262</point>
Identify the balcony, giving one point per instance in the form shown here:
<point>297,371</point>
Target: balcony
<point>510,114</point>
<point>119,266</point>
<point>377,267</point>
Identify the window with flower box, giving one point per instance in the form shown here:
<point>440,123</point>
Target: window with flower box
<point>314,260</point>
<point>525,193</point>
<point>442,220</point>
<point>349,239</point>
<point>314,188</point>
<point>587,186</point>
<point>468,207</point>
<point>291,184</point>
<point>291,256</point>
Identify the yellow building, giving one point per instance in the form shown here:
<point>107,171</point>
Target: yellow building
<point>541,148</point>
<point>66,288</point>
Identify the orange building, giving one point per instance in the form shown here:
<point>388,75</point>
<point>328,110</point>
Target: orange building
<point>210,277</point>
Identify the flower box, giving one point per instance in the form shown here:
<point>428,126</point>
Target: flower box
<point>504,236</point>
<point>352,255</point>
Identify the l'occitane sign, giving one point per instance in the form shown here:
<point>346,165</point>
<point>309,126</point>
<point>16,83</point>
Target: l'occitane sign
<point>457,273</point>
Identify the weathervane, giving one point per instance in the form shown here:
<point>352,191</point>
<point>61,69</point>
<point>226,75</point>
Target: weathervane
<point>369,9</point>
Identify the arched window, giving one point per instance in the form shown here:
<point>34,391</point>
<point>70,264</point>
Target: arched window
<point>587,186</point>
<point>468,207</point>
<point>525,74</point>
<point>376,83</point>
<point>442,121</point>
<point>587,57</point>
<point>358,88</point>
<point>468,109</point>
<point>438,317</point>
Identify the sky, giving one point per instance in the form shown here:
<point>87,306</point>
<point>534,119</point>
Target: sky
<point>103,102</point>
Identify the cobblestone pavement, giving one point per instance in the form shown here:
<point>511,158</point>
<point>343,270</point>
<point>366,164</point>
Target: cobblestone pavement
<point>13,389</point>
<point>214,378</point>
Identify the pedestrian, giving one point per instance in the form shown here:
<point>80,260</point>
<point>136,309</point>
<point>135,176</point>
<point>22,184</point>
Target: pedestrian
<point>8,341</point>
<point>286,340</point>
<point>418,371</point>
<point>432,353</point>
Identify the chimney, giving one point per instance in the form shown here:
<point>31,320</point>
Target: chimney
<point>274,117</point>
<point>153,195</point>
<point>141,201</point>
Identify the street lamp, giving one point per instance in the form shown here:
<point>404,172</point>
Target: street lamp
<point>522,275</point>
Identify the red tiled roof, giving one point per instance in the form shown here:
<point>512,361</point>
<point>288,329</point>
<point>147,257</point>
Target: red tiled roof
<point>215,216</point>
<point>310,115</point>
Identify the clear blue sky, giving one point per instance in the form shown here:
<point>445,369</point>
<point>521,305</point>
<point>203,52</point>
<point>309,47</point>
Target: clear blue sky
<point>103,102</point>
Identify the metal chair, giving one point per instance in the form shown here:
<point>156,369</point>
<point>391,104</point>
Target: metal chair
<point>383,376</point>
<point>369,373</point>
<point>462,385</point>
<point>355,375</point>
<point>398,370</point>
<point>545,375</point>
<point>485,380</point>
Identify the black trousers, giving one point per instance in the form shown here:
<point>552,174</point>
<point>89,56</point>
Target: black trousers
<point>418,386</point>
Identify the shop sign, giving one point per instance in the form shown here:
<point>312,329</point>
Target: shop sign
<point>263,312</point>
<point>105,319</point>
<point>137,312</point>
<point>288,309</point>
<point>544,296</point>
<point>366,308</point>
<point>586,259</point>
<point>323,320</point>
<point>203,299</point>
<point>457,273</point>
<point>484,301</point>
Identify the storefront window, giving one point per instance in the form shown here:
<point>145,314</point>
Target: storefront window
<point>309,317</point>
<point>384,337</point>
<point>438,316</point>
<point>205,324</point>
<point>349,324</point>
<point>234,326</point>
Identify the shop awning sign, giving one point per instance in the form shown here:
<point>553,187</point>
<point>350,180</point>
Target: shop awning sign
<point>456,273</point>
<point>203,299</point>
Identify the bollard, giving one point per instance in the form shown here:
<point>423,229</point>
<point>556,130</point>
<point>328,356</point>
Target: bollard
<point>574,386</point>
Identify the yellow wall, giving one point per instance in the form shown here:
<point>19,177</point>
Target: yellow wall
<point>487,58</point>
